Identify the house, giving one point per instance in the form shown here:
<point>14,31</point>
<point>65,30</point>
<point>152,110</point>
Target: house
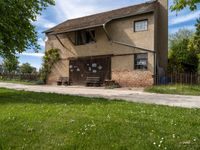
<point>127,45</point>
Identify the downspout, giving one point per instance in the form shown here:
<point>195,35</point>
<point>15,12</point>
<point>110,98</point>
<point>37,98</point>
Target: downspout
<point>122,43</point>
<point>129,45</point>
<point>106,32</point>
<point>63,44</point>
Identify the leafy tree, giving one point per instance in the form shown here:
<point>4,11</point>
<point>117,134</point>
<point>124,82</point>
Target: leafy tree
<point>10,64</point>
<point>179,36</point>
<point>180,58</point>
<point>194,44</point>
<point>17,32</point>
<point>181,4</point>
<point>27,68</point>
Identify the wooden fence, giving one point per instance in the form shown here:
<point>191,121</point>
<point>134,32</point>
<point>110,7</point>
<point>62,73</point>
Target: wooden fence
<point>178,78</point>
<point>17,76</point>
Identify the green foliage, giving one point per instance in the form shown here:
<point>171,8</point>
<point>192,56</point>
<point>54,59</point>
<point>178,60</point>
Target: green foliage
<point>17,32</point>
<point>180,58</point>
<point>51,57</point>
<point>27,68</point>
<point>181,4</point>
<point>10,64</point>
<point>194,44</point>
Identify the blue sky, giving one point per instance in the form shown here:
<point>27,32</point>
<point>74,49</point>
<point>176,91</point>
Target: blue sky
<point>67,9</point>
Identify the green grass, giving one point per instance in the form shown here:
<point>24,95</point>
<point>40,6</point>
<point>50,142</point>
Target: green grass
<point>175,89</point>
<point>25,82</point>
<point>42,121</point>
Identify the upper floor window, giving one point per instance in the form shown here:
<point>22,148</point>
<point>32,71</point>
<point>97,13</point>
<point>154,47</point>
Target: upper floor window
<point>84,37</point>
<point>141,61</point>
<point>141,25</point>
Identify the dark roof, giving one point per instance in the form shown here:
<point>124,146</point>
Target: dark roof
<point>102,18</point>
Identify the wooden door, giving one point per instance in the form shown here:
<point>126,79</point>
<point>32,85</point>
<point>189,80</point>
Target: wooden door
<point>82,68</point>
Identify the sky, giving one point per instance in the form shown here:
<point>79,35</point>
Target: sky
<point>68,9</point>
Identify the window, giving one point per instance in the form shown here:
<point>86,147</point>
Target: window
<point>141,61</point>
<point>85,37</point>
<point>140,25</point>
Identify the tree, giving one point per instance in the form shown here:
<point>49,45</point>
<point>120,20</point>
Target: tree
<point>181,4</point>
<point>10,64</point>
<point>17,32</point>
<point>180,58</point>
<point>194,44</point>
<point>27,68</point>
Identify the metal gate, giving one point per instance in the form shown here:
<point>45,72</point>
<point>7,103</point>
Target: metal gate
<point>81,68</point>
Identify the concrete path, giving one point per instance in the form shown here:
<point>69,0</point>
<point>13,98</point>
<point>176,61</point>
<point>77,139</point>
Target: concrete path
<point>136,95</point>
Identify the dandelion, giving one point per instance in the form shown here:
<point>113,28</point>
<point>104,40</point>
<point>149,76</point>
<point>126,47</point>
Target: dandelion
<point>154,143</point>
<point>71,121</point>
<point>194,140</point>
<point>93,125</point>
<point>159,145</point>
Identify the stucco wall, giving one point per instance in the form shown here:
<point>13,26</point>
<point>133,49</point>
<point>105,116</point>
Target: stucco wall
<point>162,34</point>
<point>120,30</point>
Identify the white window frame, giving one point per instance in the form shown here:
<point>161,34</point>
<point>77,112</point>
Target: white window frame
<point>140,25</point>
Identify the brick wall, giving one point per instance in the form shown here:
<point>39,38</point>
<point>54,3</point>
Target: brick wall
<point>128,78</point>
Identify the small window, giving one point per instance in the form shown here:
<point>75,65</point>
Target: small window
<point>140,25</point>
<point>85,37</point>
<point>140,61</point>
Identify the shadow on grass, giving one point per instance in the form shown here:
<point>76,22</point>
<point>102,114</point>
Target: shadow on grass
<point>13,96</point>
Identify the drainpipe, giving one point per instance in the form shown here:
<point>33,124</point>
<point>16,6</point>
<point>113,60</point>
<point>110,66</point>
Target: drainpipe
<point>130,45</point>
<point>63,44</point>
<point>122,43</point>
<point>106,32</point>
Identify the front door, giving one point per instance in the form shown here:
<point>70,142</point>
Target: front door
<point>82,68</point>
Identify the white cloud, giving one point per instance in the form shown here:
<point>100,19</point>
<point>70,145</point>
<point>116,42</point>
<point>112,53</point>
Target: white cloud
<point>184,18</point>
<point>69,9</point>
<point>189,27</point>
<point>32,54</point>
<point>43,22</point>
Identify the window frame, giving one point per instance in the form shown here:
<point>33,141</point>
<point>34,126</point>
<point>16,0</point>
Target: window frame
<point>135,60</point>
<point>136,21</point>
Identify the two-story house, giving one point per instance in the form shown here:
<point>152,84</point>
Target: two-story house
<point>128,45</point>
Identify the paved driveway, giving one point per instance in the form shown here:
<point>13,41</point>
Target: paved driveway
<point>136,95</point>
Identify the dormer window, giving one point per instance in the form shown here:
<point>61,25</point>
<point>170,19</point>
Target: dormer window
<point>84,37</point>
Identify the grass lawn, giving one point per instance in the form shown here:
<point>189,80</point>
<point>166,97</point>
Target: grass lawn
<point>19,81</point>
<point>175,89</point>
<point>42,121</point>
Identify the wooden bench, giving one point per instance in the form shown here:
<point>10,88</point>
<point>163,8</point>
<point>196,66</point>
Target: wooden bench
<point>63,81</point>
<point>93,81</point>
